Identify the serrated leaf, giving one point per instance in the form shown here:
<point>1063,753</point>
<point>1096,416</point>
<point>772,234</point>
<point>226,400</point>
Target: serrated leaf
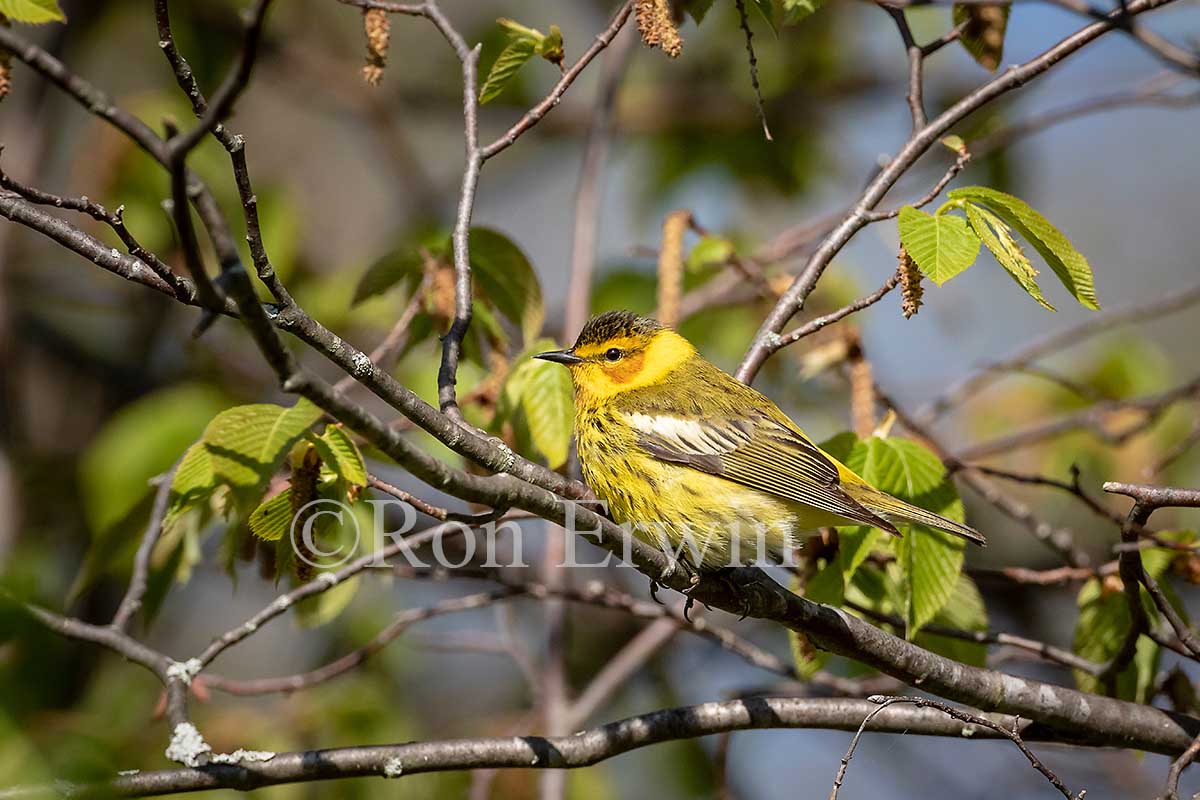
<point>194,481</point>
<point>983,36</point>
<point>942,246</point>
<point>339,452</point>
<point>697,9</point>
<point>1068,263</point>
<point>998,238</point>
<point>507,280</point>
<point>930,560</point>
<point>33,12</point>
<point>710,251</point>
<point>246,443</point>
<point>796,10</point>
<point>964,611</point>
<point>272,519</point>
<point>506,66</point>
<point>900,467</point>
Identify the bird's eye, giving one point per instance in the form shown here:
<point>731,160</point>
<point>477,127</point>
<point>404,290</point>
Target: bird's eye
<point>613,354</point>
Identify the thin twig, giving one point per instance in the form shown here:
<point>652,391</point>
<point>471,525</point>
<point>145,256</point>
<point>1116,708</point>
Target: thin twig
<point>758,99</point>
<point>967,718</point>
<point>131,603</point>
<point>1171,791</point>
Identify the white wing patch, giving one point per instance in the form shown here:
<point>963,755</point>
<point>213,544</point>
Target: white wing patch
<point>689,435</point>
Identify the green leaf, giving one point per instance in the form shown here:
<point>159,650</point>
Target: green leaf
<point>710,251</point>
<point>339,452</point>
<point>140,441</point>
<point>998,238</point>
<point>842,446</point>
<point>246,443</point>
<point>543,392</point>
<point>403,264</point>
<point>898,466</point>
<point>1104,621</point>
<point>697,9</point>
<point>766,8</point>
<point>506,66</point>
<point>32,11</point>
<point>194,481</point>
<point>965,611</point>
<point>272,519</point>
<point>507,280</point>
<point>930,560</point>
<point>796,10</point>
<point>551,46</point>
<point>942,245</point>
<point>518,31</point>
<point>1069,264</point>
<point>983,36</point>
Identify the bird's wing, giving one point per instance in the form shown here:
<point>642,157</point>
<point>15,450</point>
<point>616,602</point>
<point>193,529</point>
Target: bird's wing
<point>757,452</point>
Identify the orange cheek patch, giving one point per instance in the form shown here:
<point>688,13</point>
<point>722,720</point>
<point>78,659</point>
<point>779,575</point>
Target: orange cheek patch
<point>628,369</point>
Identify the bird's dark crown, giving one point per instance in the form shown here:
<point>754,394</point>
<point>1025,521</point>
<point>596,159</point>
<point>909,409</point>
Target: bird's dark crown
<point>615,324</point>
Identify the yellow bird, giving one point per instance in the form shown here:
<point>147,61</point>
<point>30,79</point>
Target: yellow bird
<point>691,458</point>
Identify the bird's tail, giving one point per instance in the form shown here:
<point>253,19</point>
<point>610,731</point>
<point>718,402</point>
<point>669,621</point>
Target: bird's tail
<point>895,509</point>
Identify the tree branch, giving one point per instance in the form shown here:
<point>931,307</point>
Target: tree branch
<point>581,749</point>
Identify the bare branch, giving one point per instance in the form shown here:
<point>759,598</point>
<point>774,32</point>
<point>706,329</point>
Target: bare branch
<point>131,603</point>
<point>581,749</point>
<point>1011,733</point>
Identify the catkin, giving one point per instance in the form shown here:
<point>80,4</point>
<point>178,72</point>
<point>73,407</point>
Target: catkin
<point>910,285</point>
<point>304,491</point>
<point>862,389</point>
<point>657,26</point>
<point>670,266</point>
<point>378,28</point>
<point>5,64</point>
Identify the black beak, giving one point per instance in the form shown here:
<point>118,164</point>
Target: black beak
<point>560,357</point>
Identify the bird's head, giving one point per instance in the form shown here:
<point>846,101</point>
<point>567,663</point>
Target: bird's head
<point>619,351</point>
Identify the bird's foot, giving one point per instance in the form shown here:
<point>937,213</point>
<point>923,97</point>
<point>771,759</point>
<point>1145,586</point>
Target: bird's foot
<point>657,583</point>
<point>693,584</point>
<point>727,577</point>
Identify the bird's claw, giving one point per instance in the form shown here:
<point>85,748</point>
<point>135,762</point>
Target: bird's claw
<point>654,587</point>
<point>691,601</point>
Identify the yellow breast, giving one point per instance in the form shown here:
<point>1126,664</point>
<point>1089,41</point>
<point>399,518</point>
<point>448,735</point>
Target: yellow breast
<point>705,520</point>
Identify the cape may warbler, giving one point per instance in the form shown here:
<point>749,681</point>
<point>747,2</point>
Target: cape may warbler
<point>693,458</point>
